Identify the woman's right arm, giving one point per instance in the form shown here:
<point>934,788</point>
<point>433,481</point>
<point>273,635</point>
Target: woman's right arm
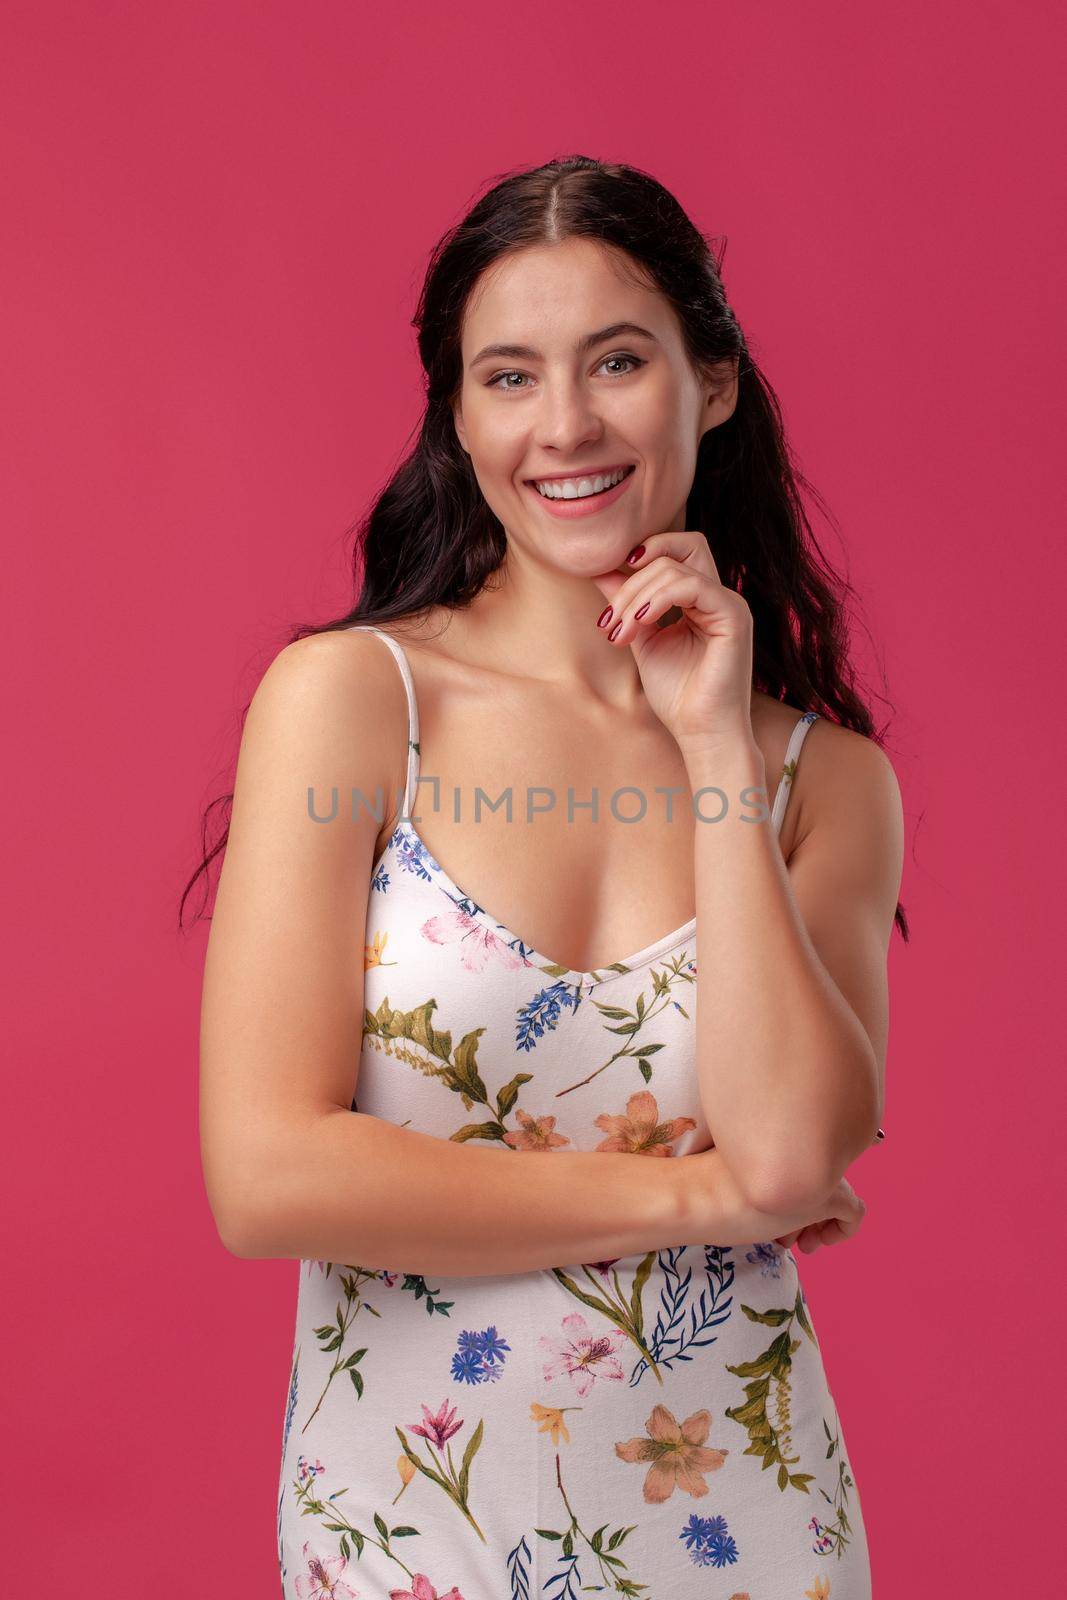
<point>290,1170</point>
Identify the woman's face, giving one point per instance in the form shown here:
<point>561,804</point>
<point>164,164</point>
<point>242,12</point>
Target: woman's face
<point>555,405</point>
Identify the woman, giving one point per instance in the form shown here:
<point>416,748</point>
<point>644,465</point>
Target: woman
<point>516,1377</point>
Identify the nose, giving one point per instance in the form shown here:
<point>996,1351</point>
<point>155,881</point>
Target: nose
<point>566,418</point>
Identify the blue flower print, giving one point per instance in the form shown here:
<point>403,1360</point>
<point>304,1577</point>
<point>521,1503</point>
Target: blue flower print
<point>767,1257</point>
<point>479,1357</point>
<point>413,855</point>
<point>542,1013</point>
<point>709,1542</point>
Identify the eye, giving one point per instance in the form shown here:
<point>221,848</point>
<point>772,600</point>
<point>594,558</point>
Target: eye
<point>633,360</point>
<point>494,382</point>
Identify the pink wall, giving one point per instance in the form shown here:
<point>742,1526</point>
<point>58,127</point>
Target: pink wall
<point>215,218</point>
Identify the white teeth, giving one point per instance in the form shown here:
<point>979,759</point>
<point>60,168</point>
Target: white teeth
<point>579,488</point>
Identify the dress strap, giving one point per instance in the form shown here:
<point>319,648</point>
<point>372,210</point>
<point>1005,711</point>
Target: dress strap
<point>785,783</point>
<point>412,778</point>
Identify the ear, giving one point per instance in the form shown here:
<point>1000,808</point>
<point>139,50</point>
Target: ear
<point>720,393</point>
<point>457,418</point>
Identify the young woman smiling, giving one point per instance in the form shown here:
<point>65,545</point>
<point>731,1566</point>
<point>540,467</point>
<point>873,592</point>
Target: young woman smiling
<point>592,587</point>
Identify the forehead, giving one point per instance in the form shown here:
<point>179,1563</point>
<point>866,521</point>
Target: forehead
<point>551,293</point>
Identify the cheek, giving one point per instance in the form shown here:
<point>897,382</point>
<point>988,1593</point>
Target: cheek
<point>495,439</point>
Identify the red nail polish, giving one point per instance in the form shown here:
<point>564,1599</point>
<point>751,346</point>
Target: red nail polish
<point>603,617</point>
<point>635,555</point>
<point>639,614</point>
<point>615,629</point>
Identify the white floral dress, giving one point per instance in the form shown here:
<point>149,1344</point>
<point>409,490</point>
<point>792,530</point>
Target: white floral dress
<point>658,1425</point>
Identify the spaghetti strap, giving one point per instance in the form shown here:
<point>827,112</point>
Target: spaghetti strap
<point>412,777</point>
<point>792,752</point>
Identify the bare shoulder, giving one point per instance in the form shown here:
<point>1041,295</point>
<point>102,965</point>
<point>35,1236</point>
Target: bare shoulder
<point>846,799</point>
<point>845,769</point>
<point>326,712</point>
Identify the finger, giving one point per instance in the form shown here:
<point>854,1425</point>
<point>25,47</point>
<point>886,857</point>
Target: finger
<point>663,588</point>
<point>690,547</point>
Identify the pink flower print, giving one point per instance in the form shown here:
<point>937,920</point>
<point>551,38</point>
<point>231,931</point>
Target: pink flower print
<point>478,945</point>
<point>640,1132</point>
<point>535,1134</point>
<point>423,1589</point>
<point>582,1355</point>
<point>440,1428</point>
<point>323,1581</point>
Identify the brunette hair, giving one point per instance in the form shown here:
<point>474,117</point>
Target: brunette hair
<point>430,538</point>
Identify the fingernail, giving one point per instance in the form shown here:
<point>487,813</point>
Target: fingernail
<point>639,614</point>
<point>603,617</point>
<point>615,630</point>
<point>636,554</point>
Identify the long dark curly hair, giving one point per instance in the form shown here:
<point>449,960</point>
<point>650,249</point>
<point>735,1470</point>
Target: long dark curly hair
<point>430,539</point>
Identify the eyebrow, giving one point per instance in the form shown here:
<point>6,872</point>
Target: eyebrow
<point>525,352</point>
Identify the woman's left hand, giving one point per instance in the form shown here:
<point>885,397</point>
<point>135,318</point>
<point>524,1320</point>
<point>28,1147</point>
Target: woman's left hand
<point>697,671</point>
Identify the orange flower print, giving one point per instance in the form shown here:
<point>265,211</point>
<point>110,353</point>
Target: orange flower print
<point>372,953</point>
<point>478,945</point>
<point>821,1590</point>
<point>535,1134</point>
<point>640,1132</point>
<point>551,1421</point>
<point>677,1453</point>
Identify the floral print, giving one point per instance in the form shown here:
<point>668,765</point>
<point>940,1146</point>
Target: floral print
<point>640,1132</point>
<point>677,1453</point>
<point>545,1434</point>
<point>582,1354</point>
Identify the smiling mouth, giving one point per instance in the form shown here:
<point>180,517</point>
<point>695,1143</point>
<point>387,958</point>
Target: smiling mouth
<point>627,469</point>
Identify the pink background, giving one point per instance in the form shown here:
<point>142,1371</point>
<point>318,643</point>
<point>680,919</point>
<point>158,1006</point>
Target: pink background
<point>215,220</point>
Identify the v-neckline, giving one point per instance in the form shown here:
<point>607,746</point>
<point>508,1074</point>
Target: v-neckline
<point>527,952</point>
<point>664,945</point>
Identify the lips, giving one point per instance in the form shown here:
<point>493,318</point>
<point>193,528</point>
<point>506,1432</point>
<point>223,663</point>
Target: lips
<point>590,473</point>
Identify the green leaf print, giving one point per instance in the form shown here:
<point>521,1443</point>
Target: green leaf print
<point>478,1130</point>
<point>767,1372</point>
<point>507,1096</point>
<point>455,1485</point>
<point>334,1521</point>
<point>832,1537</point>
<point>332,1335</point>
<point>628,1024</point>
<point>468,1456</point>
<point>640,1279</point>
<point>411,1036</point>
<point>611,1567</point>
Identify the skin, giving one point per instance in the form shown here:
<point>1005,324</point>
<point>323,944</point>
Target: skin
<point>522,688</point>
<point>526,672</point>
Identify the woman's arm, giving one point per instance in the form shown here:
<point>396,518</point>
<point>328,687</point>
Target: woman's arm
<point>792,1001</point>
<point>353,1188</point>
<point>290,1170</point>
